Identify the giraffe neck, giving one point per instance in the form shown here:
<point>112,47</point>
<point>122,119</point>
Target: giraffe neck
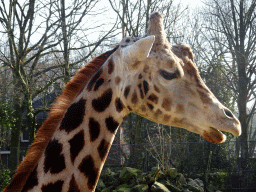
<point>72,145</point>
<point>76,153</point>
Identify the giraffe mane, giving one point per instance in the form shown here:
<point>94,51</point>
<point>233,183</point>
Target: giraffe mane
<point>45,133</point>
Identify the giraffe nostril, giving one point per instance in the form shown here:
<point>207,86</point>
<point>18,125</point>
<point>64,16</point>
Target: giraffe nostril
<point>228,113</point>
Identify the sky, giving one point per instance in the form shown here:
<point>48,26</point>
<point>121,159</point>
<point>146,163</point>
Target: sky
<point>111,14</point>
<point>191,3</point>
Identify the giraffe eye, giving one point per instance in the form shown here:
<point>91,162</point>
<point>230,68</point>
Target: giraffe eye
<point>168,75</point>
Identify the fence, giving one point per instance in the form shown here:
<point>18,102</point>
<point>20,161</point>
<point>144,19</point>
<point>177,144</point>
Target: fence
<point>214,163</point>
<point>217,162</point>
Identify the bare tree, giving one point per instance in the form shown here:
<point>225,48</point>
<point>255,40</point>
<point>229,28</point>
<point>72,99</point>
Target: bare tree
<point>135,15</point>
<point>231,25</point>
<point>71,18</point>
<point>36,32</point>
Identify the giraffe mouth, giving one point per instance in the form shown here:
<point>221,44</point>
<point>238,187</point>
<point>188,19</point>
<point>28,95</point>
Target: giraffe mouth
<point>214,135</point>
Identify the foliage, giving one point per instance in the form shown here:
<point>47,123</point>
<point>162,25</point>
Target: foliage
<point>7,120</point>
<point>218,179</point>
<point>5,177</point>
<point>157,180</point>
<point>6,115</point>
<point>216,71</point>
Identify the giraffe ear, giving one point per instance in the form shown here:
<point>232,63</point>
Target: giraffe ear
<point>138,51</point>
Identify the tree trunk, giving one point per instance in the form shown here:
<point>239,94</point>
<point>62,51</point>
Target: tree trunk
<point>15,136</point>
<point>243,89</point>
<point>147,13</point>
<point>65,42</point>
<point>242,100</point>
<point>30,119</point>
<point>124,4</point>
<point>135,140</point>
<point>14,149</point>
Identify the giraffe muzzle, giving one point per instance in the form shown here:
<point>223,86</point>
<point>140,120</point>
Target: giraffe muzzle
<point>231,124</point>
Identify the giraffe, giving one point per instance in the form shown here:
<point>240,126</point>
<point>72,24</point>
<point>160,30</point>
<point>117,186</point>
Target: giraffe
<point>147,76</point>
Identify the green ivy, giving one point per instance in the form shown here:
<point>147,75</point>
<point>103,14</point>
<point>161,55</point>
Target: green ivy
<point>5,177</point>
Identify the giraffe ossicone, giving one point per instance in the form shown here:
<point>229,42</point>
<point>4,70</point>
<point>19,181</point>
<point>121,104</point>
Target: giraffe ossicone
<point>147,76</point>
<point>138,51</point>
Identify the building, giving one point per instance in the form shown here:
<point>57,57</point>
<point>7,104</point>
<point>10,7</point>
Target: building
<point>38,104</point>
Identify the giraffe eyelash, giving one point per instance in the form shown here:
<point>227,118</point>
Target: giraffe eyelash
<point>168,75</point>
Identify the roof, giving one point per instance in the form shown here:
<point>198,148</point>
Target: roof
<point>38,104</point>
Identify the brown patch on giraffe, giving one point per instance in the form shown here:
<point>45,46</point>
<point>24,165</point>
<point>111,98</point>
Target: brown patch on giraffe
<point>167,118</point>
<point>119,105</point>
<point>94,129</point>
<point>98,84</point>
<point>103,149</point>
<point>101,104</point>
<point>153,98</point>
<point>76,145</point>
<point>193,72</point>
<point>54,161</point>
<point>171,62</point>
<point>74,116</point>
<point>199,81</point>
<point>205,97</point>
<point>156,89</point>
<point>150,76</point>
<point>127,91</point>
<point>140,76</point>
<point>191,69</point>
<point>178,122</point>
<point>166,104</point>
<point>183,51</point>
<point>57,111</point>
<point>117,80</point>
<point>135,64</point>
<point>111,124</point>
<point>73,187</point>
<point>188,88</point>
<point>141,91</point>
<point>151,107</point>
<point>134,97</point>
<point>127,40</point>
<point>143,108</point>
<point>94,79</point>
<point>111,66</point>
<point>130,109</point>
<point>57,186</point>
<point>146,69</point>
<point>180,108</point>
<point>145,87</point>
<point>158,113</point>
<point>32,181</point>
<point>87,167</point>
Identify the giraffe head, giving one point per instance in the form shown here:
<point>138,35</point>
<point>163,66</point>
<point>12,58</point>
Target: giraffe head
<point>162,83</point>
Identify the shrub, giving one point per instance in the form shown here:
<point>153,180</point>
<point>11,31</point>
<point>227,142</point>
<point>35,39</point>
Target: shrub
<point>133,180</point>
<point>5,177</point>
